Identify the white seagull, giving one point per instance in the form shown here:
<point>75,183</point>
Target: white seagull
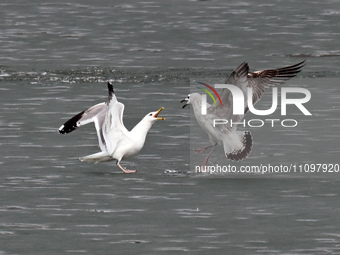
<point>115,141</point>
<point>237,145</point>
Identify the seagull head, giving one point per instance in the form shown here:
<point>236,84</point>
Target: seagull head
<point>153,116</point>
<point>186,101</point>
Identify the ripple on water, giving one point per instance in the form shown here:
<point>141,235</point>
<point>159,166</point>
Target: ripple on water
<point>193,213</point>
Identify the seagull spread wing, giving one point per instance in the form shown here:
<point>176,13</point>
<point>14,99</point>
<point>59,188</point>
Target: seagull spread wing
<point>94,114</point>
<point>113,126</point>
<point>259,81</point>
<point>263,79</point>
<point>238,78</point>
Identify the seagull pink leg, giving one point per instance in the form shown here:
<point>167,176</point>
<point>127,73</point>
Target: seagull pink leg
<point>208,156</point>
<point>203,149</point>
<point>126,170</point>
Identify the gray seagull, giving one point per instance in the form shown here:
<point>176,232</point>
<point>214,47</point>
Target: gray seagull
<point>237,144</point>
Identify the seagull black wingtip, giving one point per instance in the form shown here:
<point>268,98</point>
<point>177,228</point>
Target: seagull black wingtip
<point>71,124</point>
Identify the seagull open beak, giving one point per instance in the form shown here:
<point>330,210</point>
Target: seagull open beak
<point>156,115</point>
<point>184,101</point>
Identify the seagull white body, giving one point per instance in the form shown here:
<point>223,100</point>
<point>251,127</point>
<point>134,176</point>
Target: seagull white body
<point>237,145</point>
<point>115,141</point>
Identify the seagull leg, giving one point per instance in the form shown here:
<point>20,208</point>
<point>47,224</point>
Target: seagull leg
<point>208,156</point>
<point>125,170</point>
<point>203,149</point>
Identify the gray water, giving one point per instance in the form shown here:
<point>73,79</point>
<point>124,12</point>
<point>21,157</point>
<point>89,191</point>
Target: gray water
<point>55,60</point>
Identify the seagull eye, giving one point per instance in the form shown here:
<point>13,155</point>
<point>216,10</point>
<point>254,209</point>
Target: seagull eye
<point>150,114</point>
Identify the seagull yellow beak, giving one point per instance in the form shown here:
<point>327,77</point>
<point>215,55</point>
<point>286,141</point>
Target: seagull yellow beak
<point>156,115</point>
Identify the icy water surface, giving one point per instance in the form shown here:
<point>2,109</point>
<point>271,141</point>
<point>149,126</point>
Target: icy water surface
<point>55,60</point>
<point>51,202</point>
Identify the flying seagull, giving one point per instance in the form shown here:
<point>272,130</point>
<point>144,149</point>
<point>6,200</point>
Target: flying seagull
<point>237,145</point>
<point>115,141</point>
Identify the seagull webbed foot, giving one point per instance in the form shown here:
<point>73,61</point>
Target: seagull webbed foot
<point>127,171</point>
<point>203,149</point>
<point>204,163</point>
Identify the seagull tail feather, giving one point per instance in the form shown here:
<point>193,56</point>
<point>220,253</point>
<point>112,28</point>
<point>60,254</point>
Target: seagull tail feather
<point>97,157</point>
<point>242,152</point>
